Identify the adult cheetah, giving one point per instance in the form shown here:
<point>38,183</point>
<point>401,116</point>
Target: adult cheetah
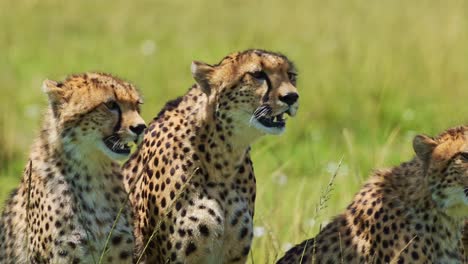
<point>412,213</point>
<point>465,238</point>
<point>72,188</point>
<point>195,186</point>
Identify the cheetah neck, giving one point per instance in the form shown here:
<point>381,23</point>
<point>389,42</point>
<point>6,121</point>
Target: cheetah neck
<point>221,158</point>
<point>410,188</point>
<point>409,185</point>
<point>222,149</point>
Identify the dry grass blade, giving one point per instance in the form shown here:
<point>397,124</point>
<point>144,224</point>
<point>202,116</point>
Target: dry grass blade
<point>325,194</point>
<point>251,257</point>
<point>169,208</point>
<point>271,235</point>
<point>105,249</point>
<point>304,250</point>
<point>324,198</point>
<point>387,147</point>
<point>395,259</point>
<point>127,198</point>
<point>114,224</point>
<point>85,226</point>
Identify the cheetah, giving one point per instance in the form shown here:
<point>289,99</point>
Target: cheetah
<point>412,213</point>
<point>194,182</point>
<point>72,188</point>
<point>465,238</point>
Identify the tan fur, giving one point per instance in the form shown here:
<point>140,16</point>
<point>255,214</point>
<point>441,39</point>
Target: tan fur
<point>193,177</point>
<point>407,214</point>
<point>72,188</point>
<point>465,238</point>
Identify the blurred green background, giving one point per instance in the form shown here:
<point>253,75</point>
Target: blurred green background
<point>372,74</point>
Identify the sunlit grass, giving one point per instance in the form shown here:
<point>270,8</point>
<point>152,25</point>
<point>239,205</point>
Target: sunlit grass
<point>372,74</point>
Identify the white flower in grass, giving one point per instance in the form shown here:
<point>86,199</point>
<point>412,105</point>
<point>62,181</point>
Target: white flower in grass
<point>408,114</point>
<point>148,47</point>
<point>287,246</point>
<point>259,231</point>
<point>409,135</point>
<point>316,136</point>
<point>281,179</point>
<point>311,222</point>
<point>32,111</point>
<point>334,167</point>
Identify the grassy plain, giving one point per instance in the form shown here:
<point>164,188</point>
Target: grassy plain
<point>372,74</point>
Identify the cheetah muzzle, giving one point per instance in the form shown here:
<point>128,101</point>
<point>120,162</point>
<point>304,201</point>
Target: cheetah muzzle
<point>265,121</point>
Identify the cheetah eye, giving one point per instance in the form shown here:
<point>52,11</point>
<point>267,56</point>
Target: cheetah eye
<point>292,77</point>
<point>112,105</point>
<point>464,156</point>
<point>259,75</point>
<point>138,105</point>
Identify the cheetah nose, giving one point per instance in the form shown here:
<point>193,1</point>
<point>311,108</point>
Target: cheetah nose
<point>138,129</point>
<point>289,98</point>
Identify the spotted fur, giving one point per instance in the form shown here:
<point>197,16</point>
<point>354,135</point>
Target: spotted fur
<point>72,187</point>
<point>465,238</point>
<point>412,213</point>
<point>193,177</point>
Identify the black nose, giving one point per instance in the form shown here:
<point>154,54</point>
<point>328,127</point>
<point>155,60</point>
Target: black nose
<point>138,129</point>
<point>289,98</point>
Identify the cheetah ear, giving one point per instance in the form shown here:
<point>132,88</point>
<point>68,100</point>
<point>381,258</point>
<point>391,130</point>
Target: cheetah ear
<point>55,93</point>
<point>423,147</point>
<point>201,72</point>
<point>53,90</point>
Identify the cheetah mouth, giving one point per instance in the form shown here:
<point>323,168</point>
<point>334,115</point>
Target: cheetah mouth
<point>264,120</point>
<point>114,143</point>
<point>276,121</point>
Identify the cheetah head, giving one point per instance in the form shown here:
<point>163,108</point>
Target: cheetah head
<point>96,113</point>
<point>445,159</point>
<point>253,89</point>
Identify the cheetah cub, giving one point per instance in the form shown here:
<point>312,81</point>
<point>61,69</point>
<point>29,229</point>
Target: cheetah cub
<point>72,189</point>
<point>412,213</point>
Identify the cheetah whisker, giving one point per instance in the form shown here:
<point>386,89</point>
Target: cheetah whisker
<point>116,143</point>
<point>258,113</point>
<point>263,112</point>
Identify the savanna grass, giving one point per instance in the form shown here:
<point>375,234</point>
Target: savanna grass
<point>372,74</point>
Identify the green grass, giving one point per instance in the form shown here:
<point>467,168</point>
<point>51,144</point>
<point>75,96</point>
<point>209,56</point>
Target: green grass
<point>372,74</point>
